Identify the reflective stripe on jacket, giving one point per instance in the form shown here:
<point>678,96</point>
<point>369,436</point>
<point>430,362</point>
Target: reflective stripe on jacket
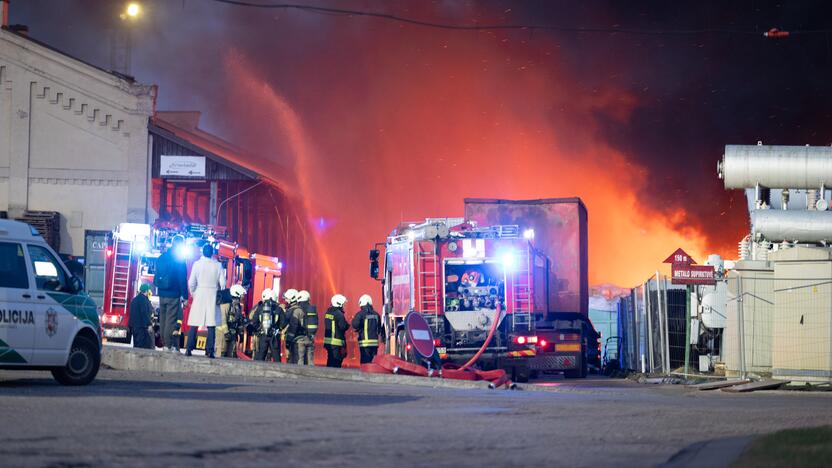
<point>335,327</point>
<point>368,324</point>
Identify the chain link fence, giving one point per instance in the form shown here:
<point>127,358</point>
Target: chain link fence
<point>749,324</point>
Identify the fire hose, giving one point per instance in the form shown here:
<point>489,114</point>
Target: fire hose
<point>388,364</point>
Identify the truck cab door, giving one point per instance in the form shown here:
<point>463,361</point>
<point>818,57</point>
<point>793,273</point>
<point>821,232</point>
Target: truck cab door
<point>17,306</point>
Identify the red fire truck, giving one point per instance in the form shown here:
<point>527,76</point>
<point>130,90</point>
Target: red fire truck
<point>458,275</point>
<point>131,261</point>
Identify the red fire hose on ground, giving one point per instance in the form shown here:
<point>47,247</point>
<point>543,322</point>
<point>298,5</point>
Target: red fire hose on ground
<point>388,364</point>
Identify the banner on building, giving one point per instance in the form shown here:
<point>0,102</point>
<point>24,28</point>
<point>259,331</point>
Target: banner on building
<point>182,166</point>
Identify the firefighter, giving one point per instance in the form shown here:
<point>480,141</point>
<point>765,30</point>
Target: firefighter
<point>141,312</point>
<point>234,320</point>
<point>264,323</point>
<point>294,332</point>
<point>311,325</point>
<point>370,330</point>
<point>335,328</point>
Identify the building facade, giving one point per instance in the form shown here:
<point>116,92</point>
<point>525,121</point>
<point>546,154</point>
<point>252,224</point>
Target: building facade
<point>73,140</point>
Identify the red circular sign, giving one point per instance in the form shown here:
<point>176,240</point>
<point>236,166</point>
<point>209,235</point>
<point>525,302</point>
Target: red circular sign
<point>419,334</point>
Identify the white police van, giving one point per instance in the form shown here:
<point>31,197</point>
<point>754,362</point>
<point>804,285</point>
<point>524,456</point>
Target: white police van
<point>47,321</point>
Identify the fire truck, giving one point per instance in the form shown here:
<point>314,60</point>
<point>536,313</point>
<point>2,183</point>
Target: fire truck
<point>461,278</point>
<point>134,249</point>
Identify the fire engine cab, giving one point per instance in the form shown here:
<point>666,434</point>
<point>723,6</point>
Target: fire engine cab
<point>462,278</point>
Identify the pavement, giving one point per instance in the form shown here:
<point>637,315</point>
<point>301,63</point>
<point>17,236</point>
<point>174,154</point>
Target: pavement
<point>135,418</point>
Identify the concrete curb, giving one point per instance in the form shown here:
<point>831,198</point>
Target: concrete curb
<point>715,453</point>
<point>145,360</point>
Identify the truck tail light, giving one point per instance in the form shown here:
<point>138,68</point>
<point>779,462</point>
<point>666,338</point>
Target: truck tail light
<point>437,342</point>
<point>521,340</point>
<point>109,252</point>
<point>542,343</point>
<point>409,346</point>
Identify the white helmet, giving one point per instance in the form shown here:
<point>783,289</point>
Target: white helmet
<point>338,300</point>
<point>291,296</point>
<point>267,295</point>
<point>238,291</point>
<point>303,296</point>
<point>365,300</point>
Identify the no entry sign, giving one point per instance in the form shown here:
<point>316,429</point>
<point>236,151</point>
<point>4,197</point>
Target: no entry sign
<point>419,334</point>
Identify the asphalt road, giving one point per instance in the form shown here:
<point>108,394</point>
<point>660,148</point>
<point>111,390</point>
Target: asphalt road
<point>143,419</point>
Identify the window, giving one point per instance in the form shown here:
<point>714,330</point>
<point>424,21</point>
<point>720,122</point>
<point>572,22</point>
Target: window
<point>13,272</point>
<point>49,274</point>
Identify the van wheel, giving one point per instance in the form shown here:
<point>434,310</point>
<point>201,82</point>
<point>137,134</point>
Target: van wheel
<point>82,363</point>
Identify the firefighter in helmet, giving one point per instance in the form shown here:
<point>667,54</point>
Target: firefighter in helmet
<point>311,326</point>
<point>335,328</point>
<point>293,331</point>
<point>234,321</point>
<point>370,330</point>
<point>264,320</point>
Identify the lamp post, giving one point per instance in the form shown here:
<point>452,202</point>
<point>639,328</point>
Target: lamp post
<point>122,43</point>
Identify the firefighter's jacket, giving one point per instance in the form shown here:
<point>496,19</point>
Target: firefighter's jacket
<point>335,327</point>
<point>256,315</point>
<point>368,324</point>
<point>295,324</point>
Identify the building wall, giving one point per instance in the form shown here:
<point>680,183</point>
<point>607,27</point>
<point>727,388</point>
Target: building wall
<point>73,139</point>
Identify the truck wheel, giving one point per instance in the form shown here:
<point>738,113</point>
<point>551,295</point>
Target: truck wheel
<point>401,345</point>
<point>519,375</point>
<point>584,367</point>
<point>81,364</point>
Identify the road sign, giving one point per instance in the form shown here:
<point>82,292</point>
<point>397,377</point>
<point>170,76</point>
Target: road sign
<point>692,274</point>
<point>420,335</point>
<point>182,166</point>
<point>680,257</point>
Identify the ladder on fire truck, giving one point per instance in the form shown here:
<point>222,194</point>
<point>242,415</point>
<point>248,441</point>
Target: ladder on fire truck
<point>122,261</point>
<point>429,284</point>
<point>521,298</point>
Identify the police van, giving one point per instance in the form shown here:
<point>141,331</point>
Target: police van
<point>47,321</point>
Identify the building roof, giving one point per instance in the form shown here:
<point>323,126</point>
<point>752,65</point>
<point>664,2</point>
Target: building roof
<point>25,36</point>
<point>184,125</point>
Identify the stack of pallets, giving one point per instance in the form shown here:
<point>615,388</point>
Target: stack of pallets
<point>48,224</point>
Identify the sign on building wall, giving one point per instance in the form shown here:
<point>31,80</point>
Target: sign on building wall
<point>182,166</point>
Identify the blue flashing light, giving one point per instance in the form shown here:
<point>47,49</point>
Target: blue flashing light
<point>509,260</point>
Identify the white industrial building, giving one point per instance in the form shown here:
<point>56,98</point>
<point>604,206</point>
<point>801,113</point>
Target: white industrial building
<point>73,140</point>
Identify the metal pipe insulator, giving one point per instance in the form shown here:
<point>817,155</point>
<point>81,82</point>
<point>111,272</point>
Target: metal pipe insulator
<point>792,225</point>
<point>795,167</point>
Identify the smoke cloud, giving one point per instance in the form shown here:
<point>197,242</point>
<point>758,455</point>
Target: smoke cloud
<point>383,122</point>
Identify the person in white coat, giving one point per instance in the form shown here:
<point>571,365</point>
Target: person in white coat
<point>206,279</point>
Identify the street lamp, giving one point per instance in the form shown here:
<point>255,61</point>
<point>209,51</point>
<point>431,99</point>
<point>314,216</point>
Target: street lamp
<point>132,11</point>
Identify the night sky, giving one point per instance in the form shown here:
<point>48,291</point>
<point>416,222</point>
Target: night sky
<point>384,121</point>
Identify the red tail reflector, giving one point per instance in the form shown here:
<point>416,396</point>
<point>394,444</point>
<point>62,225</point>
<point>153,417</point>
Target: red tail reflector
<point>436,342</point>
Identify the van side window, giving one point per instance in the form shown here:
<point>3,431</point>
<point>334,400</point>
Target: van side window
<point>49,274</point>
<point>13,272</point>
